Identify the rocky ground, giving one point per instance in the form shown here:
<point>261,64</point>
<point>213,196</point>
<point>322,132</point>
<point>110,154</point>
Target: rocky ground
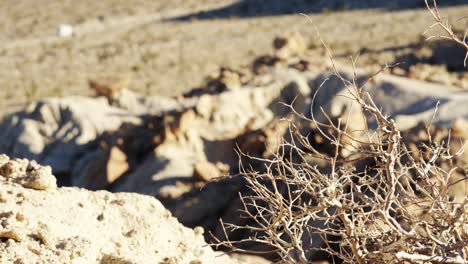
<point>183,150</point>
<point>168,48</point>
<point>155,98</point>
<point>41,223</point>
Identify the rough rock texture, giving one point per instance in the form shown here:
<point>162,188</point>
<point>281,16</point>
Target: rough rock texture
<point>290,45</point>
<point>27,173</point>
<point>70,225</point>
<point>206,171</point>
<point>60,131</point>
<point>109,86</point>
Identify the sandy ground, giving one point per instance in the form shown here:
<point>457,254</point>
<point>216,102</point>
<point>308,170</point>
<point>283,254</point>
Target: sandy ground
<point>167,56</point>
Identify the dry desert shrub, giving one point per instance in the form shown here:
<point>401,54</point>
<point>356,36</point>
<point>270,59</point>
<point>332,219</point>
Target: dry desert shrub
<point>376,202</point>
<point>371,197</point>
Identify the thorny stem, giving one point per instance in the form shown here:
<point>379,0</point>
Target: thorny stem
<point>360,207</point>
<point>445,26</point>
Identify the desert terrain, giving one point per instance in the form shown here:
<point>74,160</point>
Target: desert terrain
<point>129,137</point>
<point>167,54</point>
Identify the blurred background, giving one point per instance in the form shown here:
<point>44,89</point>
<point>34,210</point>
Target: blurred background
<point>168,47</point>
<point>155,97</point>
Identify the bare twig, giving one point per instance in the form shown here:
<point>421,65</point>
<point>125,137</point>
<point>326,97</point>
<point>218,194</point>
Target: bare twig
<point>396,208</point>
<point>446,27</point>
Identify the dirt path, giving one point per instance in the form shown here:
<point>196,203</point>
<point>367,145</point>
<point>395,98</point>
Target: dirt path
<point>103,23</point>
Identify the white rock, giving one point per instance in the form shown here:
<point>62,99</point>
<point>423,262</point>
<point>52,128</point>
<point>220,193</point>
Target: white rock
<point>65,30</point>
<point>71,225</point>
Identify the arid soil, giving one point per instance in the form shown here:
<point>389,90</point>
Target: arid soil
<point>169,47</point>
<point>157,98</point>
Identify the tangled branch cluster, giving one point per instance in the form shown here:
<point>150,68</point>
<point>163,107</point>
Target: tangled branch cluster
<point>371,197</point>
<point>379,203</point>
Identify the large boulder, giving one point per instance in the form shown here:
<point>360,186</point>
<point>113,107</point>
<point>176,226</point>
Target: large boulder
<point>60,132</point>
<point>71,225</point>
<point>408,101</point>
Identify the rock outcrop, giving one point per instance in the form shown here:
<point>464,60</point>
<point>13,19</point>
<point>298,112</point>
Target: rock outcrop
<point>40,223</point>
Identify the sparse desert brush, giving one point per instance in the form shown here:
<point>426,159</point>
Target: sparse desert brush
<point>376,204</point>
<point>369,198</point>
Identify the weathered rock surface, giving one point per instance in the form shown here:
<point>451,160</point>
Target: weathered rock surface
<point>109,86</point>
<point>408,101</point>
<point>61,131</point>
<point>289,45</point>
<point>27,173</point>
<point>71,225</point>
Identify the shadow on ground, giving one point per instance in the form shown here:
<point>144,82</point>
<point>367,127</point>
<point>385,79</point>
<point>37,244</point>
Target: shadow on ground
<point>441,52</point>
<point>256,8</point>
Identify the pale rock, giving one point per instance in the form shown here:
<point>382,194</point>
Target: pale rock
<point>71,225</point>
<point>205,171</point>
<point>65,30</point>
<point>289,45</point>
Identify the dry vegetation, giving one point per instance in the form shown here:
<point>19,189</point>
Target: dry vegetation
<point>396,207</point>
<point>352,186</point>
<point>373,197</point>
